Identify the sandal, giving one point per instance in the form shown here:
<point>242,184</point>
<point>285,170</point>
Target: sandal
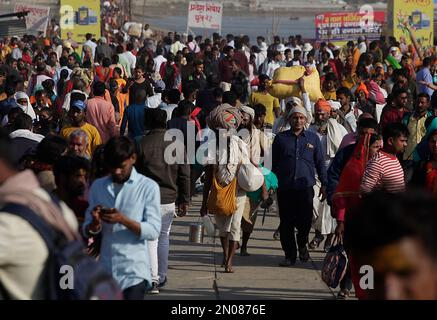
<point>315,243</point>
<point>343,294</point>
<point>276,235</point>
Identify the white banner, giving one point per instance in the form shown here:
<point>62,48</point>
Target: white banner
<point>205,14</point>
<point>38,16</point>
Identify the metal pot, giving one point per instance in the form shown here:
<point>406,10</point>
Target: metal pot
<point>196,232</point>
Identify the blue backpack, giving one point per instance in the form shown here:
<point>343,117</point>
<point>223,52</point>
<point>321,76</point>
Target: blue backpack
<point>90,281</point>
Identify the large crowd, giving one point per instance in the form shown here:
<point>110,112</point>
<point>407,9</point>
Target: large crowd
<point>87,124</point>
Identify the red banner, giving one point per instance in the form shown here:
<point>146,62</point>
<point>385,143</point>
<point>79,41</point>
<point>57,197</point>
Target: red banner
<point>346,26</point>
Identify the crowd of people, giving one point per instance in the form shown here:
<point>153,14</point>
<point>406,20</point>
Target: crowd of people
<point>88,124</point>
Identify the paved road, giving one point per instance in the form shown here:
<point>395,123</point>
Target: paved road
<point>195,271</point>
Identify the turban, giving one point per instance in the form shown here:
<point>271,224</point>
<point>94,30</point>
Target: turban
<point>294,100</point>
<point>322,105</point>
<point>362,87</point>
<point>224,116</point>
<point>249,111</point>
<point>298,110</point>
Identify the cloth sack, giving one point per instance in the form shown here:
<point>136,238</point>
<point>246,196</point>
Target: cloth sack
<point>283,91</point>
<point>249,177</point>
<point>223,200</point>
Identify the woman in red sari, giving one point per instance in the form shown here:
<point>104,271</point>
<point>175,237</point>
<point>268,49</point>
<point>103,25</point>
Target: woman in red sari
<point>347,195</point>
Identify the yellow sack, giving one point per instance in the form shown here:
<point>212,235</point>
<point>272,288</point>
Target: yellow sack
<point>223,200</point>
<point>283,91</point>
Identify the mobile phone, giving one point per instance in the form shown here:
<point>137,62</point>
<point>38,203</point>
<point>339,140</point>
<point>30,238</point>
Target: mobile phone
<point>105,210</point>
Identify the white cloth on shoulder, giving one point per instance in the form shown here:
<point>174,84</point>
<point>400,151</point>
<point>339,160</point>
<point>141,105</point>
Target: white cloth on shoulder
<point>336,132</point>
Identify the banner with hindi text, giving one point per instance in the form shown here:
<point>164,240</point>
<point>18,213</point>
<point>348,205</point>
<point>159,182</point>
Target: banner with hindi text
<point>205,14</point>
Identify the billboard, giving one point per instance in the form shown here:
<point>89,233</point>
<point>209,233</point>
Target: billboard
<point>203,14</point>
<point>348,26</point>
<point>37,18</point>
<point>416,16</point>
<point>80,17</point>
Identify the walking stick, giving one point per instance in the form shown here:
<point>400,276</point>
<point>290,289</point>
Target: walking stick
<point>264,215</point>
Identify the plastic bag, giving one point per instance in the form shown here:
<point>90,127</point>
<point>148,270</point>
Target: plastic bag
<point>209,225</point>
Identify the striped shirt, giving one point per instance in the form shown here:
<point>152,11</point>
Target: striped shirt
<point>383,172</point>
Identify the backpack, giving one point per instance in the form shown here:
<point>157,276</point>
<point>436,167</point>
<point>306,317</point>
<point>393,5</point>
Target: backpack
<point>90,281</point>
<point>334,266</point>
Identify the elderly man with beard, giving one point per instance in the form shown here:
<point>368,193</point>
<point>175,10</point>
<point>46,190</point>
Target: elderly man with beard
<point>330,133</point>
<point>78,142</point>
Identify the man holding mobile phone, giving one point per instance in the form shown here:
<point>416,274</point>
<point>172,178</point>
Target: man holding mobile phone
<point>125,208</point>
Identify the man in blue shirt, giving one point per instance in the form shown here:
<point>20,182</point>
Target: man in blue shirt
<point>133,116</point>
<point>297,155</point>
<point>424,77</point>
<point>125,208</point>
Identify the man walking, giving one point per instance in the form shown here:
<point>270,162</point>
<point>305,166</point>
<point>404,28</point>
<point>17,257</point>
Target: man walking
<point>297,154</point>
<point>124,208</point>
<point>173,178</point>
<point>101,114</point>
<point>330,133</point>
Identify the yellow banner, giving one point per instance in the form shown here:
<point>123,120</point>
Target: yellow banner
<point>416,16</point>
<point>80,17</point>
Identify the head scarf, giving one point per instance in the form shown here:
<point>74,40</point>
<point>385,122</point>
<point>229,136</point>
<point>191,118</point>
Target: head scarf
<point>85,74</point>
<point>350,178</point>
<point>322,105</point>
<point>397,55</point>
<point>27,109</point>
<point>224,116</point>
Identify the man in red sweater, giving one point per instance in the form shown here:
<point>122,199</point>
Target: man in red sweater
<point>241,57</point>
<point>395,113</point>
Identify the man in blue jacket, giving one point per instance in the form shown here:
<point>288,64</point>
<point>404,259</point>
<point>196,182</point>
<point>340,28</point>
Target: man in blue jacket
<point>297,156</point>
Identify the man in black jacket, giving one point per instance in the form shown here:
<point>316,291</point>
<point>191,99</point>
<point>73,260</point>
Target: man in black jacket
<point>173,176</point>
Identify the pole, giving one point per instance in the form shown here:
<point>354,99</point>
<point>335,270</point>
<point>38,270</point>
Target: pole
<point>188,16</point>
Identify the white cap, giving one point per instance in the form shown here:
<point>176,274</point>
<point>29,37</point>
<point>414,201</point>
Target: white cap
<point>307,47</point>
<point>280,47</point>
